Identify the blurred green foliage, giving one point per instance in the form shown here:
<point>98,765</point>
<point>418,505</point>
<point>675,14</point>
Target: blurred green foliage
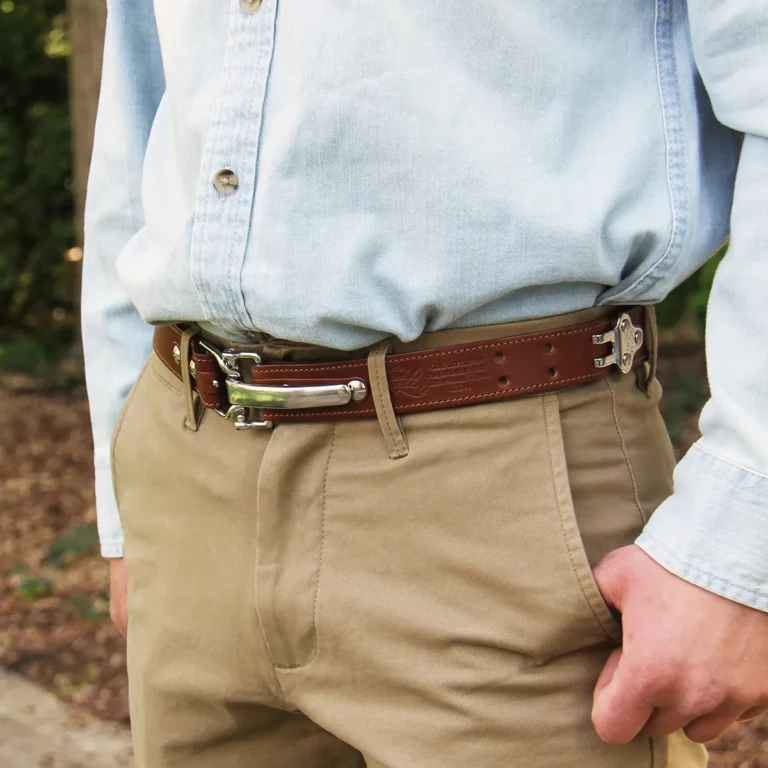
<point>689,299</point>
<point>82,539</point>
<point>34,587</point>
<point>37,284</point>
<point>93,606</point>
<point>684,395</point>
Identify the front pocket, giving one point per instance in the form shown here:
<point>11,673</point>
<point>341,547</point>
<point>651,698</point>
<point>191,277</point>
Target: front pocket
<point>582,572</point>
<point>161,384</point>
<point>118,428</point>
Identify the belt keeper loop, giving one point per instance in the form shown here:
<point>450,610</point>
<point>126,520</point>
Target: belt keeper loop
<point>194,409</point>
<point>652,334</point>
<point>390,424</point>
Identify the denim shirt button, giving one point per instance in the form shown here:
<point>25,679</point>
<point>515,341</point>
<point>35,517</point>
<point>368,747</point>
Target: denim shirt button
<point>250,6</point>
<point>225,182</point>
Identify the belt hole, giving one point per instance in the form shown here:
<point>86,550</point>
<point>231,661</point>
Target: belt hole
<point>548,349</point>
<point>552,372</point>
<point>503,382</point>
<point>499,357</point>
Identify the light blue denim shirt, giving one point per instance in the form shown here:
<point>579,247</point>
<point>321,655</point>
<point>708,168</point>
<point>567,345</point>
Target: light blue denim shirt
<point>408,166</point>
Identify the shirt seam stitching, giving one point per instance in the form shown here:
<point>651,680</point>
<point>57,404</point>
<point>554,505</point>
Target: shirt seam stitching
<point>730,462</point>
<point>669,95</point>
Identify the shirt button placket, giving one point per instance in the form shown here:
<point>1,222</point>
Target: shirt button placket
<point>225,203</point>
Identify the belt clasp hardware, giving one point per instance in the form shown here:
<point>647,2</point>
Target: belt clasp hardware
<point>320,396</point>
<point>227,359</point>
<point>248,398</point>
<point>626,337</point>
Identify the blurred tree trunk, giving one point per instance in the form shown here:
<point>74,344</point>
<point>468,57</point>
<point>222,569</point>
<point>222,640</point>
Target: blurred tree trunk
<point>87,19</point>
<point>86,27</point>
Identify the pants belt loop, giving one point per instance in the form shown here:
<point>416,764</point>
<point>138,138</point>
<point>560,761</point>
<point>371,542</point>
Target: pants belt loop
<point>194,409</point>
<point>385,413</point>
<point>652,334</point>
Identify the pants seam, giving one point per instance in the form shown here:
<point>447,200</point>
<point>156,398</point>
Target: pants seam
<point>119,429</point>
<point>287,668</point>
<point>624,451</point>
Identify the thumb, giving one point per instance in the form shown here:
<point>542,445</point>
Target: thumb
<point>609,574</point>
<point>618,710</point>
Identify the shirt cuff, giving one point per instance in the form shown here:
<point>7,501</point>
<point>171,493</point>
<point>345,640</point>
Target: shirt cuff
<point>107,516</point>
<point>713,530</point>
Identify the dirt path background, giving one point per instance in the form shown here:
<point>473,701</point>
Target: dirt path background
<point>37,730</point>
<point>54,622</point>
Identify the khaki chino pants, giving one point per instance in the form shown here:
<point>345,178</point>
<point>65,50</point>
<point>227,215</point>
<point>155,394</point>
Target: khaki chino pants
<point>299,599</point>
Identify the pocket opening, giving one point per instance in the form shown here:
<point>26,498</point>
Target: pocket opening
<point>582,571</point>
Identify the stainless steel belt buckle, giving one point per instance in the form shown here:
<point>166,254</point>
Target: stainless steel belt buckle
<point>241,417</point>
<point>247,399</point>
<point>626,338</point>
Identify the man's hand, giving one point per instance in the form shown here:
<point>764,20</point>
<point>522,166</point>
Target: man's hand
<point>690,659</point>
<point>118,594</point>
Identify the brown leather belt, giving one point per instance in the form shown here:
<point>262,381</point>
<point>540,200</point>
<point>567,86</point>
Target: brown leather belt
<point>476,372</point>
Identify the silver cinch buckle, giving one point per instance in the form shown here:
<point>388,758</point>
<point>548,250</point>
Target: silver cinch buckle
<point>246,399</point>
<point>626,338</point>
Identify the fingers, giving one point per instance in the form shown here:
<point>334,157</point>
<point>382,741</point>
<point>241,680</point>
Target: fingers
<point>699,726</point>
<point>619,711</point>
<point>120,620</point>
<point>703,728</point>
<point>754,712</point>
<point>118,595</point>
<point>691,660</point>
<point>665,721</point>
<point>713,724</point>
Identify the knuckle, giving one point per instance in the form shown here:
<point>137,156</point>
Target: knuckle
<point>703,698</point>
<point>712,695</point>
<point>746,698</point>
<point>657,679</point>
<point>670,684</point>
<point>743,698</point>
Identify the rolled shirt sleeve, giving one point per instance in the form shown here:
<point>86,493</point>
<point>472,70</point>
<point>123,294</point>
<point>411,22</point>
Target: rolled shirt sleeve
<point>115,339</point>
<point>713,530</point>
